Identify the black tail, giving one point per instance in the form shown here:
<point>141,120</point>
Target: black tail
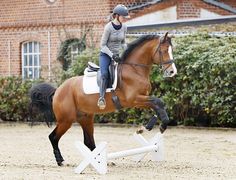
<point>41,98</point>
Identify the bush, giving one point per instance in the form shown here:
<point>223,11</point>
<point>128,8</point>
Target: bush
<point>14,99</point>
<point>77,67</point>
<point>64,55</point>
<point>203,92</point>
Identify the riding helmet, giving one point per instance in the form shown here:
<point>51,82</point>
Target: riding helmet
<point>121,10</point>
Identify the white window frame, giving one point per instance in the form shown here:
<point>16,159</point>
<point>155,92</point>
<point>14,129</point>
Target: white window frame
<point>74,53</point>
<point>34,66</point>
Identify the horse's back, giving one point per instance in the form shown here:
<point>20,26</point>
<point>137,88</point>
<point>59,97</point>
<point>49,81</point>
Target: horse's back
<point>70,95</point>
<point>66,88</point>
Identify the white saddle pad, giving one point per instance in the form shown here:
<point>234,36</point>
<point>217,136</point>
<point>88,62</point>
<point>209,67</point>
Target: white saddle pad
<point>90,82</point>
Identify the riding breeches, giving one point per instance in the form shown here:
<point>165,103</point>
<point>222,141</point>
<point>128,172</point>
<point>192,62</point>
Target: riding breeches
<point>104,62</point>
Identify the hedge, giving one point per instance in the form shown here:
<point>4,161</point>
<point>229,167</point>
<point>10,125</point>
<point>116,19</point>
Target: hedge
<point>203,93</point>
<point>14,99</point>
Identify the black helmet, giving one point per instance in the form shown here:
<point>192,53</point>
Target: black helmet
<point>121,10</point>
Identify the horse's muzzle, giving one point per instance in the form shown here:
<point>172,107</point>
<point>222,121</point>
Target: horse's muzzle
<point>170,71</point>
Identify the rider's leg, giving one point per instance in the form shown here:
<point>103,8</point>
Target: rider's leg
<point>104,62</point>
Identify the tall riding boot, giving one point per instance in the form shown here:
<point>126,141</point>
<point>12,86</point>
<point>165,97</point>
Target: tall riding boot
<point>102,90</point>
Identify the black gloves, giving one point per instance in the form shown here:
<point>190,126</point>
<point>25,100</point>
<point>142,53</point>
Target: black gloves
<point>116,57</point>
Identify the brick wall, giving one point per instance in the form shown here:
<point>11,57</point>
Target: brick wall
<point>50,24</point>
<point>232,3</point>
<point>187,9</point>
<point>200,4</point>
<point>38,12</point>
<point>153,8</point>
<point>36,20</point>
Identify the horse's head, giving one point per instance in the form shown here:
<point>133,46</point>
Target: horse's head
<point>164,57</point>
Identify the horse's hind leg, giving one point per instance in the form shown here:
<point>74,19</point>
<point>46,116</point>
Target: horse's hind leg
<point>86,122</point>
<point>54,139</point>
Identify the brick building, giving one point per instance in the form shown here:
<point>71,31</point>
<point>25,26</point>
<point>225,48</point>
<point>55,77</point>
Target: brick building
<point>31,31</point>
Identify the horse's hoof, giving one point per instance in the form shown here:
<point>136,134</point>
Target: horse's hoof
<point>140,130</point>
<point>111,164</point>
<point>60,163</point>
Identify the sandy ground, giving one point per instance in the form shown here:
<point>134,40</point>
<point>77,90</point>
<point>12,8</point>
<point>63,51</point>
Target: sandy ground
<point>25,153</point>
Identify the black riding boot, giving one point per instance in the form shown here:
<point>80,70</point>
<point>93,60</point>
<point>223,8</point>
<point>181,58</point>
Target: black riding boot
<point>102,90</point>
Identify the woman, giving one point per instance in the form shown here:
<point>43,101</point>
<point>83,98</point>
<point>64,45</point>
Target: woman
<point>113,39</point>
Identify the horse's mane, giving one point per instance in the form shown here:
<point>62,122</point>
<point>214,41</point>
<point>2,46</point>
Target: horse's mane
<point>137,43</point>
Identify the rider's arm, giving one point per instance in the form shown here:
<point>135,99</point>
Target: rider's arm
<point>105,37</point>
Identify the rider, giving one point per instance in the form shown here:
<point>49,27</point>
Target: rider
<point>113,39</point>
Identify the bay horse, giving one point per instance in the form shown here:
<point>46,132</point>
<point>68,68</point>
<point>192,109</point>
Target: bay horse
<point>68,103</point>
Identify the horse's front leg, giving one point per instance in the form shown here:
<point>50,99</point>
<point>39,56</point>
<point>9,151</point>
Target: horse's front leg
<point>158,106</point>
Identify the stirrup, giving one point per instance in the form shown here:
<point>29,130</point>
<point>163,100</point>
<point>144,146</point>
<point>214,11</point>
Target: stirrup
<point>101,103</point>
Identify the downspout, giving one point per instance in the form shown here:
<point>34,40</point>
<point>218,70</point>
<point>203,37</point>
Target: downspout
<point>9,58</point>
<point>49,55</point>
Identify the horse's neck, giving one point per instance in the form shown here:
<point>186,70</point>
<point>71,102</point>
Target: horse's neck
<point>141,58</point>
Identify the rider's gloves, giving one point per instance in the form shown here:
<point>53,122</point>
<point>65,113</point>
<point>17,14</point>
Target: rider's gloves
<point>116,57</point>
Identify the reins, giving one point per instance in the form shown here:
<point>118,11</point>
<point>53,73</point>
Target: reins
<point>135,64</point>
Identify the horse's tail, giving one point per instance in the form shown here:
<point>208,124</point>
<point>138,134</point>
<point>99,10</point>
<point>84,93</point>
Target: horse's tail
<point>41,96</point>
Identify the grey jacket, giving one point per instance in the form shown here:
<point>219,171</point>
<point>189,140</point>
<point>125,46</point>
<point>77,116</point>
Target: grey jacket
<point>113,40</point>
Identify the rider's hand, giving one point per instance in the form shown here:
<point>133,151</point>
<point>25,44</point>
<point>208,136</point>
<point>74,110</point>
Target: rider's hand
<point>163,127</point>
<point>116,57</point>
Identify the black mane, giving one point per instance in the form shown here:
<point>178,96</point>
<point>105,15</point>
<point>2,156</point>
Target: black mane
<point>137,43</point>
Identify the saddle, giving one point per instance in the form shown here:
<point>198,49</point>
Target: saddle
<point>92,77</point>
<point>94,69</point>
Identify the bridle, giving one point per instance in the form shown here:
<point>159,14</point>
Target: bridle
<point>158,50</point>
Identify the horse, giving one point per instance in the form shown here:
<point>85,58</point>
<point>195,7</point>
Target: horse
<point>68,103</point>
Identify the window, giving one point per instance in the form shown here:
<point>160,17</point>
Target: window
<point>74,51</point>
<point>69,51</point>
<point>31,60</point>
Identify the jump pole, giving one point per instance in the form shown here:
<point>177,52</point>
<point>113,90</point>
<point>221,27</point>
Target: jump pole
<point>131,152</point>
<point>98,157</point>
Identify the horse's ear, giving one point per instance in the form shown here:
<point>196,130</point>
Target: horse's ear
<point>163,39</point>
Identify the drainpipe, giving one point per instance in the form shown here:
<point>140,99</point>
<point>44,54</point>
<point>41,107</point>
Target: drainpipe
<point>49,55</point>
<point>9,57</point>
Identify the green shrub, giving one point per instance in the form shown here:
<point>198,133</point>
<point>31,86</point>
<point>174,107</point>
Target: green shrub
<point>14,99</point>
<point>77,67</point>
<point>204,91</point>
<point>64,54</point>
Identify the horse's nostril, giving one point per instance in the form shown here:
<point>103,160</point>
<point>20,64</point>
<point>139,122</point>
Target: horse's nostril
<point>171,72</point>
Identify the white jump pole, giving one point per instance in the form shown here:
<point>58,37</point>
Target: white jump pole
<point>132,152</point>
<point>98,157</point>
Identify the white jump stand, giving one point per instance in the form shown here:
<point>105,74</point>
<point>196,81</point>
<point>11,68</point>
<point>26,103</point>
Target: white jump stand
<point>98,157</point>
